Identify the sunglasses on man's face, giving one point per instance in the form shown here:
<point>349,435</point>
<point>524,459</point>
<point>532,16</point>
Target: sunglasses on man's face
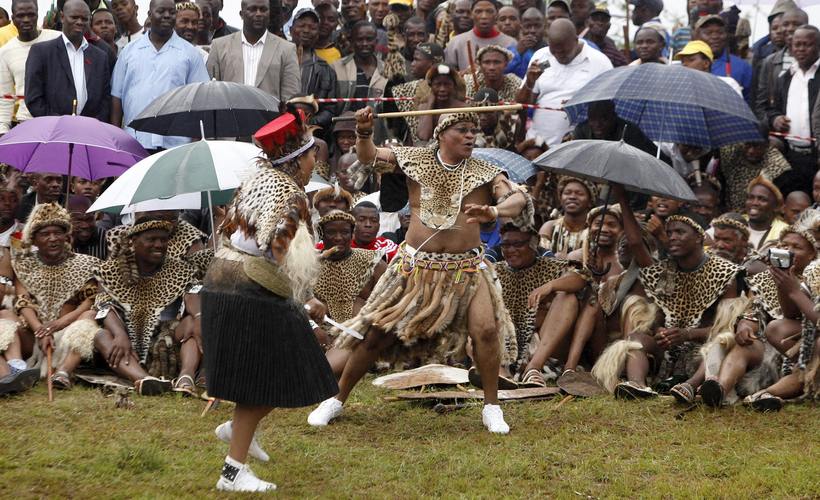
<point>513,244</point>
<point>467,130</point>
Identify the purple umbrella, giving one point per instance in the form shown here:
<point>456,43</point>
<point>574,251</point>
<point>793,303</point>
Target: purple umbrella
<point>70,145</point>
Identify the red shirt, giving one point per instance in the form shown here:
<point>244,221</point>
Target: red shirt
<point>387,246</point>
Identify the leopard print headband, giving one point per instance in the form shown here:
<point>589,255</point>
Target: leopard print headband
<point>450,119</point>
<point>688,221</point>
<point>730,223</point>
<point>800,232</point>
<point>147,226</point>
<point>335,216</point>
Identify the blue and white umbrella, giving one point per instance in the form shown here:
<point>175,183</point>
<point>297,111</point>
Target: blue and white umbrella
<point>671,104</point>
<point>518,168</point>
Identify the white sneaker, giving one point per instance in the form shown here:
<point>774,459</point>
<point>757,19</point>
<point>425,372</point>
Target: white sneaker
<point>493,419</point>
<point>224,432</point>
<point>242,479</point>
<point>325,412</point>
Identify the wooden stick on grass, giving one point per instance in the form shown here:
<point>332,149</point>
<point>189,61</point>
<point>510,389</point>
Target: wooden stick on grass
<point>49,383</point>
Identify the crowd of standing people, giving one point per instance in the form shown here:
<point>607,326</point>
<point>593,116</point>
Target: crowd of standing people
<point>427,253</point>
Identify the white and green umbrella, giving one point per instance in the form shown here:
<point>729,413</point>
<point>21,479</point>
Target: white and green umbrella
<point>191,176</point>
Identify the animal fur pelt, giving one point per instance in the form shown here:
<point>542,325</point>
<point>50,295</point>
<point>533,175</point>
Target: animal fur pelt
<point>607,370</point>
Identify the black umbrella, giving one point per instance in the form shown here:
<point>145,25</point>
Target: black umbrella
<point>226,109</point>
<point>616,161</point>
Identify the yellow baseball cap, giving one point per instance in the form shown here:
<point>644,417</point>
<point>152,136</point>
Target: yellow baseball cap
<point>695,47</point>
<point>406,3</point>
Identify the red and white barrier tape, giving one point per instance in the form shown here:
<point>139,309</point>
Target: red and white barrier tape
<point>789,136</point>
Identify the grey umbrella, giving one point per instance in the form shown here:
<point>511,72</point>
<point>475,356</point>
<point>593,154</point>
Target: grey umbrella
<point>518,168</point>
<point>616,161</point>
<point>225,109</point>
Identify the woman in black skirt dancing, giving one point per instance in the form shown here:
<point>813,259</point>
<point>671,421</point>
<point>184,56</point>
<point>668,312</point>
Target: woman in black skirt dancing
<point>260,351</point>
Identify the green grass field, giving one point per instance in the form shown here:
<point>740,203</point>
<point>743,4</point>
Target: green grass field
<point>81,446</point>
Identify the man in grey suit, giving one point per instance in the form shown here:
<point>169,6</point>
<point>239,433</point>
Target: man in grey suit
<point>256,57</point>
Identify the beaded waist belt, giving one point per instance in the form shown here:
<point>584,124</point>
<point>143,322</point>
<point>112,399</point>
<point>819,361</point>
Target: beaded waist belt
<point>410,259</point>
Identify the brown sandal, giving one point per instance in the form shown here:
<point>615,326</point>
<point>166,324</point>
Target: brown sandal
<point>61,380</point>
<point>184,384</point>
<point>533,378</point>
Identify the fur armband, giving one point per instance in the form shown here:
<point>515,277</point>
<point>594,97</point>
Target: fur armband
<point>24,302</point>
<point>359,172</point>
<point>88,291</point>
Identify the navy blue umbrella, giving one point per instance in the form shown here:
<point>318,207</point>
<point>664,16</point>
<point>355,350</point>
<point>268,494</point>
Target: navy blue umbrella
<point>671,104</point>
<point>518,168</point>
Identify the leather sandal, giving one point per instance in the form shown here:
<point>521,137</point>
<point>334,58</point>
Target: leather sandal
<point>533,379</point>
<point>61,380</point>
<point>684,393</point>
<point>184,384</point>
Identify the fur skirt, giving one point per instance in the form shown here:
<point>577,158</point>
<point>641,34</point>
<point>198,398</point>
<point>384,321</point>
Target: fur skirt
<point>424,299</point>
<point>259,347</point>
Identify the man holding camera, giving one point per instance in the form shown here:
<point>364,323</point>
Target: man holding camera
<point>741,360</point>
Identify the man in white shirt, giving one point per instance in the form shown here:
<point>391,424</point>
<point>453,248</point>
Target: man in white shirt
<point>255,56</point>
<point>13,58</point>
<point>555,73</point>
<point>795,95</point>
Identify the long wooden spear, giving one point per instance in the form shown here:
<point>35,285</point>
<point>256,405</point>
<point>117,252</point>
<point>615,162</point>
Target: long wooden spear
<point>442,111</point>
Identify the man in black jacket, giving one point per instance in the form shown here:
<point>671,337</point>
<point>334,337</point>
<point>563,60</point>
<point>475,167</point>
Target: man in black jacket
<point>47,188</point>
<point>220,27</point>
<point>318,78</point>
<point>68,69</point>
<point>795,93</point>
<point>774,64</point>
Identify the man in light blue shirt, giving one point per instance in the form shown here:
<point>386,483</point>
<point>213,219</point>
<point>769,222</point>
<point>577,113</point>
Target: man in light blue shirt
<point>149,67</point>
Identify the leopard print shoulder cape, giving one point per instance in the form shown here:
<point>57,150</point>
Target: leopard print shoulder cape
<point>685,296</point>
<point>419,90</point>
<point>508,90</point>
<point>184,235</point>
<point>143,302</point>
<point>52,286</point>
<point>811,277</point>
<point>341,281</point>
<point>764,291</point>
<point>262,201</point>
<point>516,286</point>
<point>442,191</point>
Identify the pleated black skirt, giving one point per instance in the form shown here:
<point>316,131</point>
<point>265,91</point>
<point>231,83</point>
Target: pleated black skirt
<point>259,347</point>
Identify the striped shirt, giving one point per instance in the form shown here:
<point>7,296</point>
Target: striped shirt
<point>251,54</point>
<point>362,90</point>
<point>96,247</point>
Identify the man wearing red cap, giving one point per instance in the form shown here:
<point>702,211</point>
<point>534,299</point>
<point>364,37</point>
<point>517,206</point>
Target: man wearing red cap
<point>437,291</point>
<point>256,338</point>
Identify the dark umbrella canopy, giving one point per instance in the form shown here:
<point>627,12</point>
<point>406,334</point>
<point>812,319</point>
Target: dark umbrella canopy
<point>671,103</point>
<point>616,161</point>
<point>518,168</point>
<point>226,109</point>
